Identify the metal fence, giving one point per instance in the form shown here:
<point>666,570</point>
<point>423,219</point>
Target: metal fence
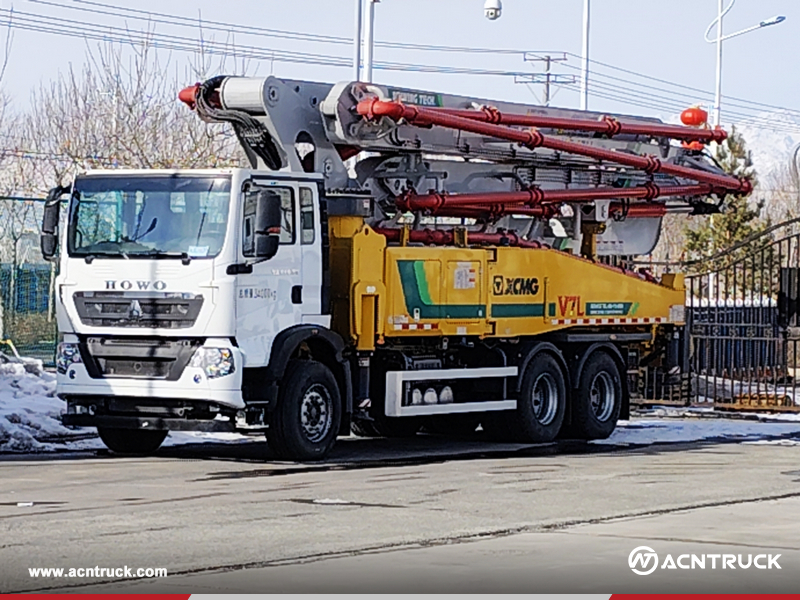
<point>739,350</point>
<point>743,326</point>
<point>27,311</point>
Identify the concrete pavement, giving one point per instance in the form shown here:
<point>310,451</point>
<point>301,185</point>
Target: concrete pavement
<point>424,515</point>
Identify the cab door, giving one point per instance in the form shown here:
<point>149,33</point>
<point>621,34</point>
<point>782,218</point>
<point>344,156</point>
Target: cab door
<point>269,299</point>
<point>311,235</point>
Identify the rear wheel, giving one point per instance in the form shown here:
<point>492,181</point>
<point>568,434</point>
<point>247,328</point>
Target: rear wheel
<point>306,420</point>
<point>540,407</point>
<point>598,402</point>
<point>132,441</point>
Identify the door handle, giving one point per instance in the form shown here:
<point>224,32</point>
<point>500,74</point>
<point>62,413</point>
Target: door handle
<point>297,294</point>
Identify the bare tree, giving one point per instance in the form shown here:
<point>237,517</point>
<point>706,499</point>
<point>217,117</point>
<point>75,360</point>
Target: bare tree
<point>781,194</point>
<point>120,110</point>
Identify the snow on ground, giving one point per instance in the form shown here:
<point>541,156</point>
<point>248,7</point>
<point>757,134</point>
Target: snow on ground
<point>649,430</point>
<point>30,416</point>
<point>29,410</point>
<point>730,388</point>
<point>30,421</point>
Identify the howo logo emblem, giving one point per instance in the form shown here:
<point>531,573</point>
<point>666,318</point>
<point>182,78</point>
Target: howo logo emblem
<point>135,311</point>
<point>644,556</point>
<point>127,284</point>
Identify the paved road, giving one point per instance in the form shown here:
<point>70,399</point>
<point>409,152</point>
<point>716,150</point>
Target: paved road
<point>426,515</point>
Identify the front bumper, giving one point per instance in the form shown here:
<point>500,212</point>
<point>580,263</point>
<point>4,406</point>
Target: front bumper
<point>192,385</point>
<point>158,423</point>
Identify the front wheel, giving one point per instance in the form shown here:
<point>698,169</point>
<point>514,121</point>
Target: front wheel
<point>132,441</point>
<point>306,420</point>
<point>599,398</point>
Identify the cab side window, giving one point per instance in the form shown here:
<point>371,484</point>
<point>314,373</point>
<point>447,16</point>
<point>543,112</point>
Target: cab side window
<point>306,216</point>
<point>288,220</point>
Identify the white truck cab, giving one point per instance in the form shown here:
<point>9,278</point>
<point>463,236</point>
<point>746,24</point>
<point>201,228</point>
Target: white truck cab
<point>172,285</point>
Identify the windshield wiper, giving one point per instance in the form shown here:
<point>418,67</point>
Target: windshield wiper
<point>92,255</point>
<point>184,256</point>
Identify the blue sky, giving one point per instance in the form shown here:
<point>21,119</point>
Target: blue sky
<point>662,39</point>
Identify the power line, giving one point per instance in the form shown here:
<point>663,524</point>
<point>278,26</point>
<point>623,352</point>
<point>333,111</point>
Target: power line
<point>108,33</point>
<point>606,86</point>
<point>684,98</point>
<point>92,6</point>
<point>686,87</point>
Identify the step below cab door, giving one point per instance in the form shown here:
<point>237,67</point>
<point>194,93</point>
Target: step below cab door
<point>270,298</point>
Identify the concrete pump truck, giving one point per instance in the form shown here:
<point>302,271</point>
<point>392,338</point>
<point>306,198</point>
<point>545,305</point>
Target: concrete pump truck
<point>392,261</point>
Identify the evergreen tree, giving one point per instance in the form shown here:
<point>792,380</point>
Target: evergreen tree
<point>739,220</point>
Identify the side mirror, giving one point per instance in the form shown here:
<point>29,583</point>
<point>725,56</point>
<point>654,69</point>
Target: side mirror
<point>268,224</point>
<point>52,209</point>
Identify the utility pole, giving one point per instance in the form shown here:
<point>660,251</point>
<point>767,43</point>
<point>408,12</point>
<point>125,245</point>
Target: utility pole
<point>548,78</point>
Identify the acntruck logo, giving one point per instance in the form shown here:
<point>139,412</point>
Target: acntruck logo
<point>644,556</point>
<point>643,560</point>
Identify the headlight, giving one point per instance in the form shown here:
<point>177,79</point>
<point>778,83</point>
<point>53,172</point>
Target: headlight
<point>215,362</point>
<point>66,355</point>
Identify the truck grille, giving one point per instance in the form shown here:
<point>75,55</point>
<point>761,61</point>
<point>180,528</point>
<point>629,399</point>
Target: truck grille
<point>134,309</point>
<point>143,358</point>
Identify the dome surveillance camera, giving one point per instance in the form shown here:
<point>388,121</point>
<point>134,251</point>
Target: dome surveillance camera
<point>492,9</point>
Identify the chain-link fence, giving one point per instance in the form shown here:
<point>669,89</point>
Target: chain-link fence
<point>27,310</point>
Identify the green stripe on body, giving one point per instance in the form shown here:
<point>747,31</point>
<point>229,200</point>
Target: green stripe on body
<point>417,296</point>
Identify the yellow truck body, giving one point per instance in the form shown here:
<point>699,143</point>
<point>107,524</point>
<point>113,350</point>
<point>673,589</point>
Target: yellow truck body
<point>382,291</point>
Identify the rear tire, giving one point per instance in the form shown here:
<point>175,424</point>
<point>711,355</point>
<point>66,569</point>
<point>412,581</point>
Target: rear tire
<point>306,420</point>
<point>132,441</point>
<point>599,397</point>
<point>541,405</point>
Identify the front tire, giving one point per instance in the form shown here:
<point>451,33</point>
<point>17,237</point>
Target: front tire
<point>306,420</point>
<point>599,398</point>
<point>132,441</point>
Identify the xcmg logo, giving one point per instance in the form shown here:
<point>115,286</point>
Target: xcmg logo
<point>515,286</point>
<point>126,284</point>
<point>643,560</point>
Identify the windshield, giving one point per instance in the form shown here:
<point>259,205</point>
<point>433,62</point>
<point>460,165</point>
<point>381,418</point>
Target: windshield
<point>157,216</point>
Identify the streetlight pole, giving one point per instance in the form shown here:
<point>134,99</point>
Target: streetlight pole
<point>357,42</point>
<point>585,57</point>
<point>718,88</point>
<point>721,12</point>
<point>369,35</point>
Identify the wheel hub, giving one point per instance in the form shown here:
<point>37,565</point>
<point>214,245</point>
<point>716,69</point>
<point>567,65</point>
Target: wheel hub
<point>602,396</point>
<point>315,413</point>
<point>545,399</point>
